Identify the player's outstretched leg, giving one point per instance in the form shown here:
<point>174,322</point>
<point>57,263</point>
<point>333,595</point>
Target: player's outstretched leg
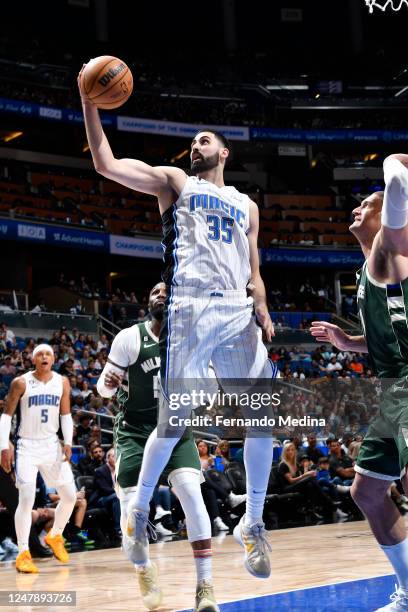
<point>186,485</point>
<point>250,531</point>
<point>146,570</point>
<point>22,520</point>
<point>156,455</point>
<point>371,496</point>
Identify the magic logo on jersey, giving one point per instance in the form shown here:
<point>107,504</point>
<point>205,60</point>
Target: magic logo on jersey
<point>204,201</point>
<point>44,399</point>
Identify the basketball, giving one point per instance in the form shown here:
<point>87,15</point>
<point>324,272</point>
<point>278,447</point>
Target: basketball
<point>107,81</point>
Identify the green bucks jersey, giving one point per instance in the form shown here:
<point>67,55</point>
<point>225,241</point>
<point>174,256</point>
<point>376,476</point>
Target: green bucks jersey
<point>383,315</point>
<point>138,393</point>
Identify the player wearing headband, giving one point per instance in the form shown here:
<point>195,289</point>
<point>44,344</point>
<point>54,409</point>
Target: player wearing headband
<point>43,399</point>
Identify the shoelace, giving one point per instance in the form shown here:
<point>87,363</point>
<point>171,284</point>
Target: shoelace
<point>398,594</point>
<point>260,535</point>
<point>143,526</point>
<point>149,581</point>
<point>205,589</point>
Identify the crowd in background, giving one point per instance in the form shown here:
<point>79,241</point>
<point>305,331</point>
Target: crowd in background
<point>314,468</point>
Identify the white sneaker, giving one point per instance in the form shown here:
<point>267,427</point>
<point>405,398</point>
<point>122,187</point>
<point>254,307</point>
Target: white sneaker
<point>236,500</point>
<point>220,525</point>
<point>8,545</point>
<point>161,530</point>
<point>151,593</point>
<point>399,602</point>
<point>135,541</point>
<point>253,539</point>
<point>160,512</point>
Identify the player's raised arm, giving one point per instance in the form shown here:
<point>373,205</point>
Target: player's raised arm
<point>17,389</point>
<point>67,425</point>
<point>393,237</point>
<point>159,181</point>
<point>258,288</point>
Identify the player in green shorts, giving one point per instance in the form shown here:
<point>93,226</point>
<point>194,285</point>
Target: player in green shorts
<point>381,227</point>
<point>132,371</point>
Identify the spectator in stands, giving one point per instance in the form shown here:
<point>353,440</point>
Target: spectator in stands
<point>341,466</point>
<point>333,366</point>
<point>223,450</point>
<point>104,493</point>
<point>78,308</point>
<point>311,450</point>
<point>141,315</point>
<point>40,307</point>
<point>7,335</point>
<point>8,369</point>
<point>85,391</point>
<point>79,343</point>
<point>206,459</point>
<point>291,479</point>
<point>88,464</point>
<point>356,366</point>
<point>83,430</point>
<point>103,343</point>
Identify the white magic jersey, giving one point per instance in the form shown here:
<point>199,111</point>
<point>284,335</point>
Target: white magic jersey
<point>205,237</point>
<point>40,407</point>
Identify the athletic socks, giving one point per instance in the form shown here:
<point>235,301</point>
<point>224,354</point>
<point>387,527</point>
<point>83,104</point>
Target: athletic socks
<point>203,561</point>
<point>143,566</point>
<point>258,453</point>
<point>398,557</point>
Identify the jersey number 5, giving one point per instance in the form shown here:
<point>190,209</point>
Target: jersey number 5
<point>220,228</point>
<point>44,415</point>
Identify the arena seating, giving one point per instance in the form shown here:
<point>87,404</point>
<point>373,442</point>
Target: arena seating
<point>102,205</point>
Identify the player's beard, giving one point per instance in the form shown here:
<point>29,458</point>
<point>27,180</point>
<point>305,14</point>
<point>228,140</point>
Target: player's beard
<point>157,313</point>
<point>203,164</point>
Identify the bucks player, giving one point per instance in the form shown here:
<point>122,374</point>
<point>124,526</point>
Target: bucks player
<point>133,367</point>
<point>43,396</point>
<point>210,240</point>
<point>381,227</point>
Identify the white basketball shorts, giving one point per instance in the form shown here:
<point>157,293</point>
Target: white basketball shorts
<point>44,456</point>
<point>217,326</point>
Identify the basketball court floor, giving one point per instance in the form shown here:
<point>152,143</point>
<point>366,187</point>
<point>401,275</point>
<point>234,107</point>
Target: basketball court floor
<point>324,568</point>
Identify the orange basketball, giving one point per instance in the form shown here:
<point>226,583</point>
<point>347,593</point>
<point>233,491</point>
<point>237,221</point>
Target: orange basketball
<point>107,81</point>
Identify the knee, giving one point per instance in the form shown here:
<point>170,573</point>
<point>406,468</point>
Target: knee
<point>26,496</point>
<point>67,494</point>
<point>369,493</point>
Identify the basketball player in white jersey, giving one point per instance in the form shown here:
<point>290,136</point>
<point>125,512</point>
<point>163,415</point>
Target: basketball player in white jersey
<point>210,236</point>
<point>44,406</point>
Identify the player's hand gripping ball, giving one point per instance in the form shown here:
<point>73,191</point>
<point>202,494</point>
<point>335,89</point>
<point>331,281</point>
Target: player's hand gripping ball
<point>106,81</point>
